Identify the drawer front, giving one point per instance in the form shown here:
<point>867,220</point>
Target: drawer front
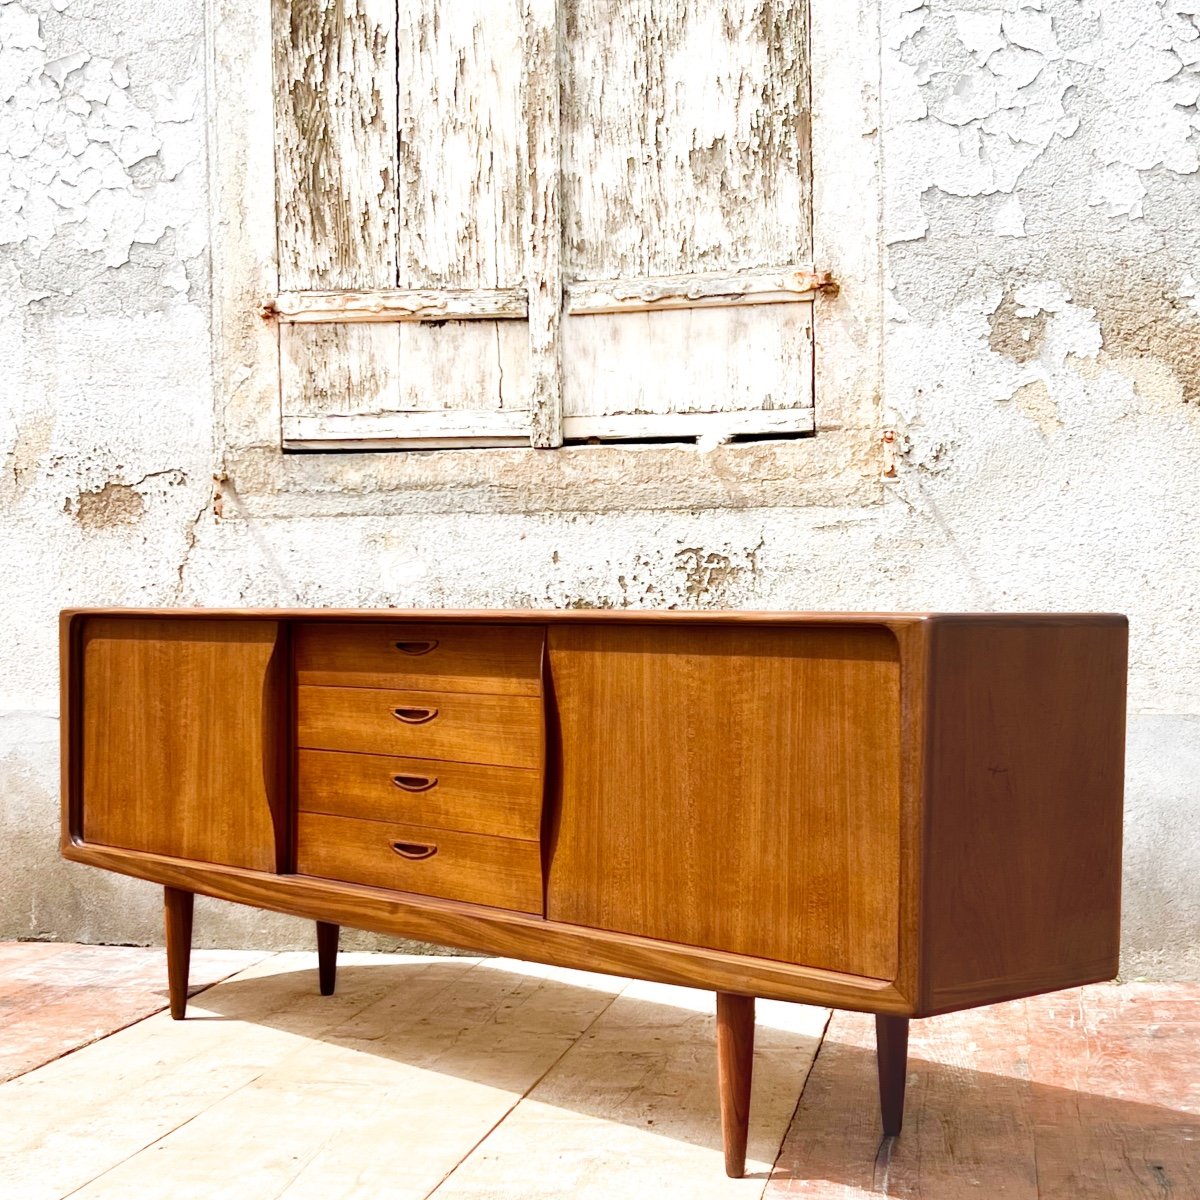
<point>500,872</point>
<point>496,659</point>
<point>505,731</point>
<point>501,801</point>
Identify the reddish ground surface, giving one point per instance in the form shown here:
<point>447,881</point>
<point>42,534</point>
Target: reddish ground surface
<point>56,997</point>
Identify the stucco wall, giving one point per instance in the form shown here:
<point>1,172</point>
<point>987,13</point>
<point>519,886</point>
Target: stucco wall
<point>1041,222</point>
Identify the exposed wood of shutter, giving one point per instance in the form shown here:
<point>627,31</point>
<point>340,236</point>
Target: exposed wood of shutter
<point>336,170</point>
<point>687,219</point>
<point>421,335</point>
<point>505,219</point>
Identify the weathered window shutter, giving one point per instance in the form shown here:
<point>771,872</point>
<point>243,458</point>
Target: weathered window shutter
<point>504,221</point>
<point>687,219</point>
<point>404,249</point>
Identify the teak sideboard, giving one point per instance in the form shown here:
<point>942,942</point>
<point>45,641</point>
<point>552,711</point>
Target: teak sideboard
<point>899,814</point>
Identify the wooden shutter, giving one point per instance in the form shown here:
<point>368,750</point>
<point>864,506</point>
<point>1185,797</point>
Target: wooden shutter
<point>504,221</point>
<point>403,170</point>
<point>687,218</point>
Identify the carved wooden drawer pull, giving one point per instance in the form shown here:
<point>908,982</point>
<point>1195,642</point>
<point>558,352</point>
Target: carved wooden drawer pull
<point>415,648</point>
<point>414,783</point>
<point>414,716</point>
<point>414,850</point>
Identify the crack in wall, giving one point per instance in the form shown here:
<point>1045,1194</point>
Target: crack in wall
<point>88,158</point>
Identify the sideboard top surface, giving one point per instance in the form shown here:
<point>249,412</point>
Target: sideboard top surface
<point>590,615</point>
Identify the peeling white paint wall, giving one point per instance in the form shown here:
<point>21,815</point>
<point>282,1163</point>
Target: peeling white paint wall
<point>1041,224</point>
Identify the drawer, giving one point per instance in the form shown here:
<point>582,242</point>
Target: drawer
<point>505,731</point>
<point>502,801</point>
<point>497,659</point>
<point>500,872</point>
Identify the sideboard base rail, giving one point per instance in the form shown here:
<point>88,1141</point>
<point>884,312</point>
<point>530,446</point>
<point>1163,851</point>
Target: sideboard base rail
<point>501,932</point>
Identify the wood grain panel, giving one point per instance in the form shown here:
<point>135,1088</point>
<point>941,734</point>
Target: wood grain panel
<point>182,738</point>
<point>338,370</point>
<point>335,117</point>
<point>1023,807</point>
<point>461,145</point>
<point>543,216</point>
<point>504,660</point>
<point>730,788</point>
<point>501,801</point>
<point>464,366</point>
<point>500,872</point>
<point>335,67</point>
<point>703,360</point>
<point>686,157</point>
<point>505,731</point>
<point>462,197</point>
<point>685,136</point>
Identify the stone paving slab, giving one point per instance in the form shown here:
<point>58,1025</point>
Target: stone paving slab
<point>468,1079</point>
<point>56,997</point>
<point>1087,1094</point>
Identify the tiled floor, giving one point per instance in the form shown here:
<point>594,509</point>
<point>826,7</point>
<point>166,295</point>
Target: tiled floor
<point>453,1077</point>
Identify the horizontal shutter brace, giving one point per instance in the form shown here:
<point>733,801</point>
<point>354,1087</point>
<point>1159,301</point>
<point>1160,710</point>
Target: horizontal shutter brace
<point>775,285</point>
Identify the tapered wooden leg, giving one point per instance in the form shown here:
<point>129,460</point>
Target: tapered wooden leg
<point>735,1069</point>
<point>327,948</point>
<point>177,917</point>
<point>891,1055</point>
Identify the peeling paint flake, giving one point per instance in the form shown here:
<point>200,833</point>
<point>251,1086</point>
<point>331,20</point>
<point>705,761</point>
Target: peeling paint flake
<point>990,90</point>
<point>112,504</point>
<point>1008,219</point>
<point>1118,191</point>
<point>980,32</point>
<point>1031,30</point>
<point>70,145</point>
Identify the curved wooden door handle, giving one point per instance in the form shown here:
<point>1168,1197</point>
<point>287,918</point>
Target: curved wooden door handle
<point>414,716</point>
<point>417,647</point>
<point>414,783</point>
<point>414,850</point>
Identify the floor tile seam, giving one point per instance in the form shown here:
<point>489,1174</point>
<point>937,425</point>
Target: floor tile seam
<point>137,1019</point>
<point>539,982</point>
<point>467,969</point>
<point>216,1100</point>
<point>432,961</point>
<point>122,982</point>
<point>812,1062</point>
<point>526,1094</point>
<point>329,1034</point>
<point>258,1077</point>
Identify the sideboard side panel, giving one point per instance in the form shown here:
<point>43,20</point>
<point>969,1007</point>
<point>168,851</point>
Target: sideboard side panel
<point>733,788</point>
<point>181,738</point>
<point>1023,807</point>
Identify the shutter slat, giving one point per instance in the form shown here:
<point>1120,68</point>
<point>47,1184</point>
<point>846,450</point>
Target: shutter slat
<point>335,108</point>
<point>687,216</point>
<point>785,285</point>
<point>736,360</point>
<point>421,311</point>
<point>717,426</point>
<point>418,430</point>
<point>686,136</point>
<point>543,217</point>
